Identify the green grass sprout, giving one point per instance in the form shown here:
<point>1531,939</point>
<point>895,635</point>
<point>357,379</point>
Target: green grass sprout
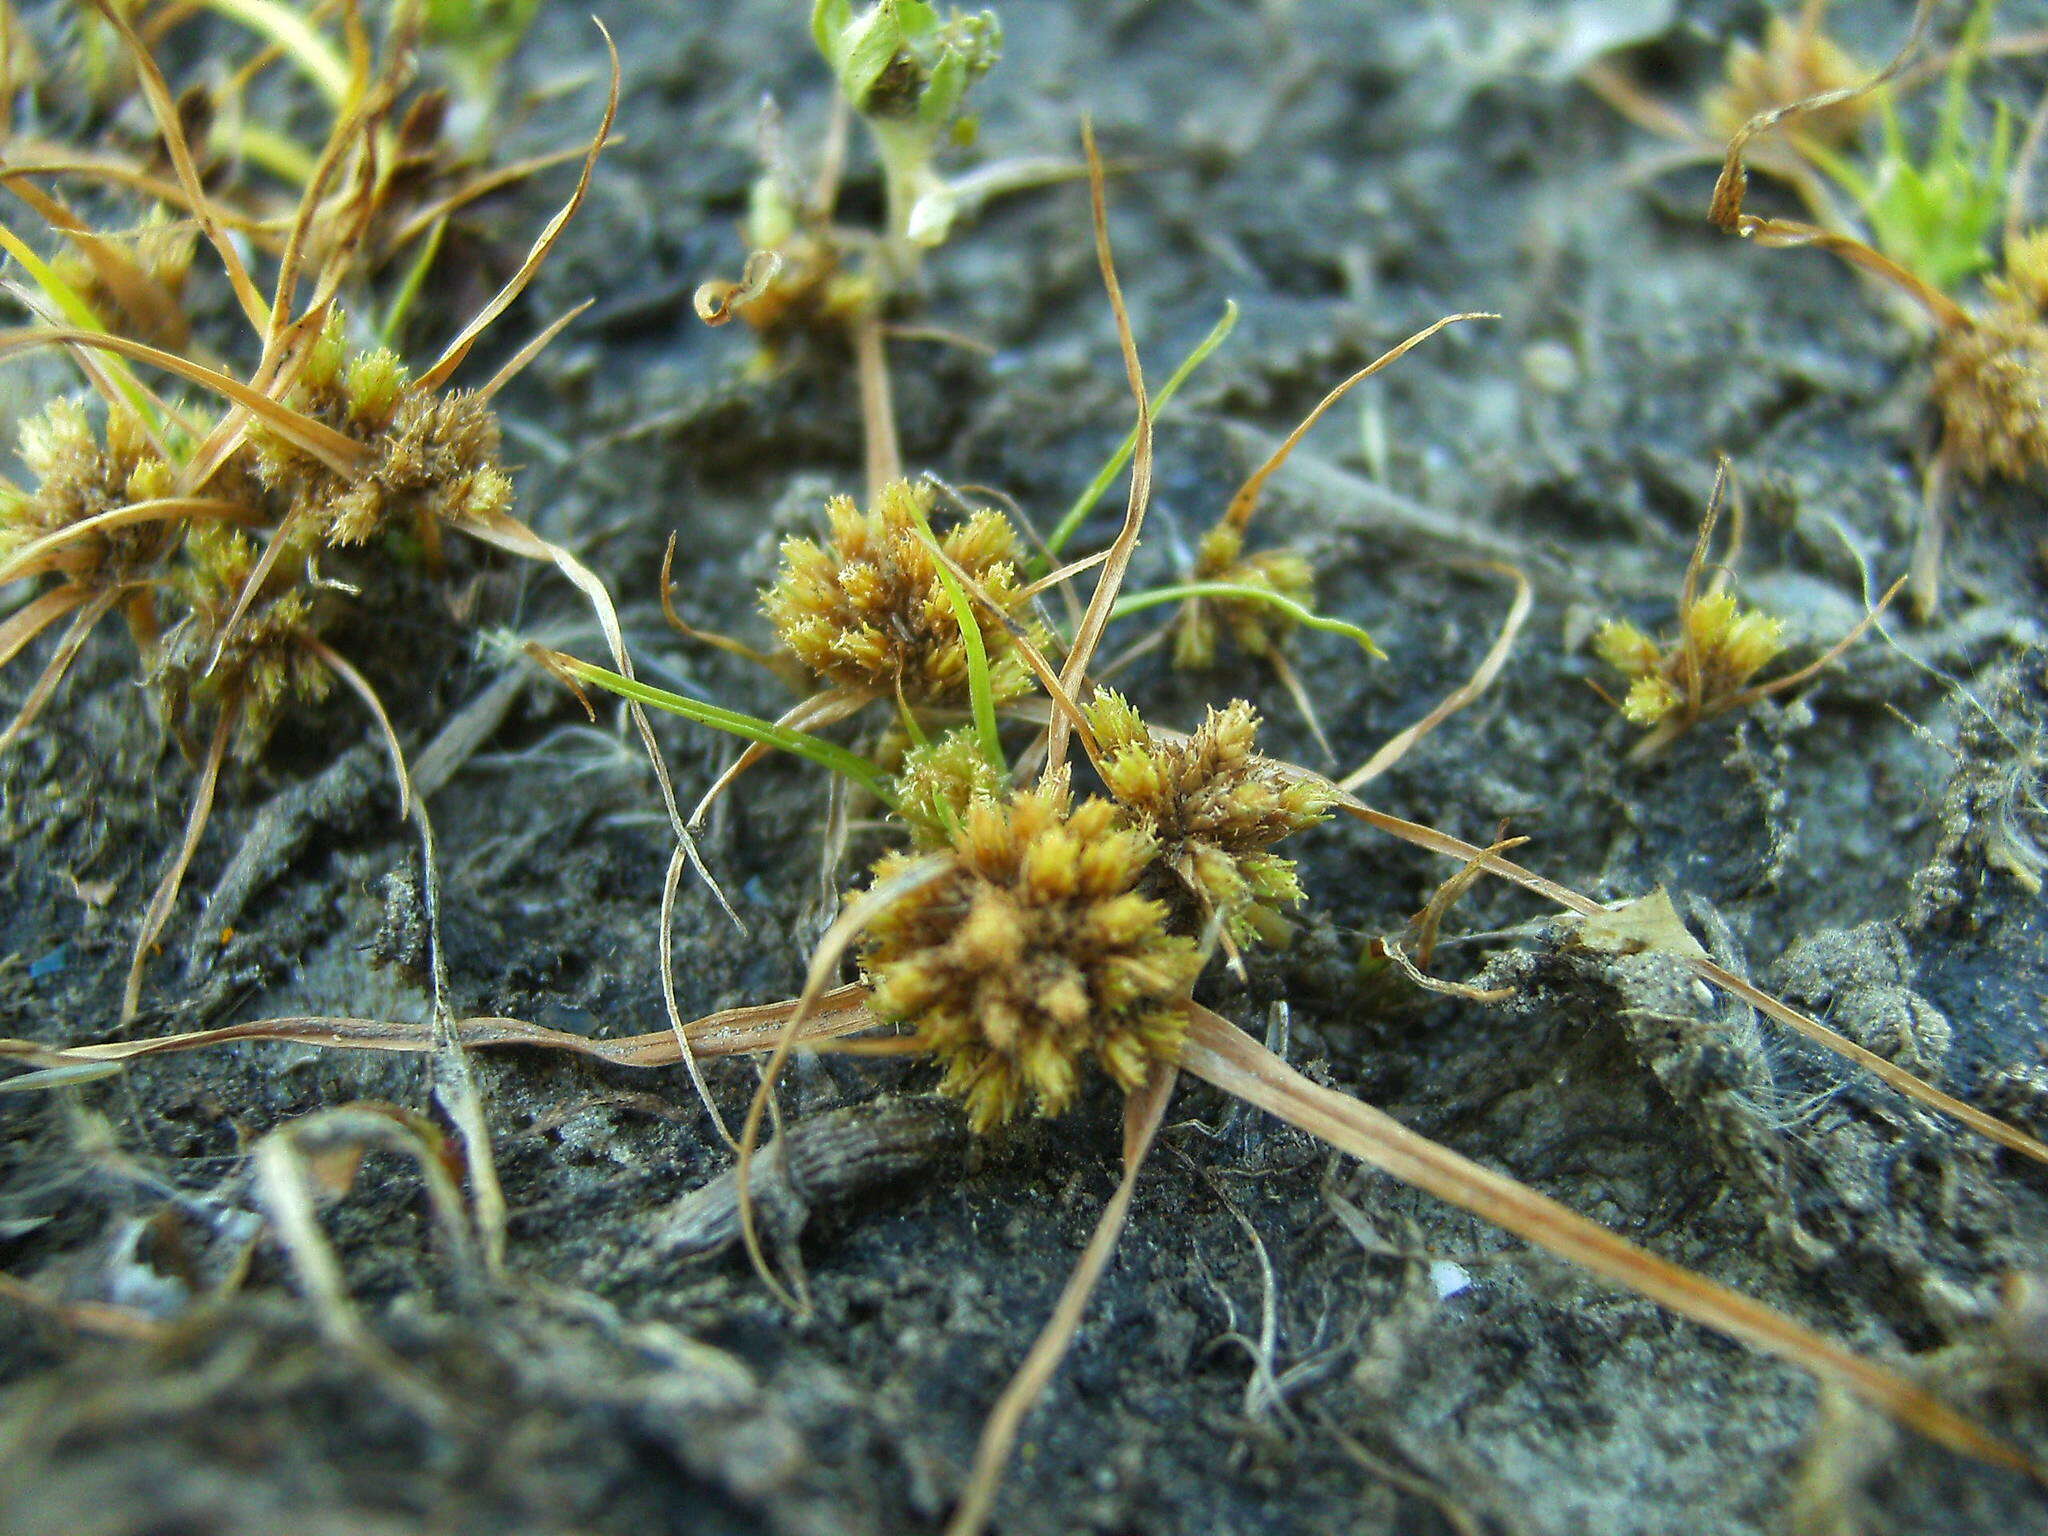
<point>1153,597</point>
<point>1077,514</point>
<point>816,749</point>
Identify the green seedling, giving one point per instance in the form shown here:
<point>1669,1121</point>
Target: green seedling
<point>1935,213</point>
<point>905,70</point>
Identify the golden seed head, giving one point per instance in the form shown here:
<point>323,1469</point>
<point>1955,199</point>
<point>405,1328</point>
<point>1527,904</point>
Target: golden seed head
<point>1214,806</point>
<point>77,478</point>
<point>1991,382</point>
<point>1032,951</point>
<point>1793,63</point>
<point>433,453</point>
<point>1729,645</point>
<point>1649,700</point>
<point>266,663</point>
<point>1626,649</point>
<point>866,609</point>
<point>1258,628</point>
<point>940,781</point>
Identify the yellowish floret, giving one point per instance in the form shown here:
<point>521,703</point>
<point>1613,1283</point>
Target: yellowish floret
<point>1033,953</point>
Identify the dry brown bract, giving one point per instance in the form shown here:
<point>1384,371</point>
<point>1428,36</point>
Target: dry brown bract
<point>1032,952</point>
<point>1215,807</point>
<point>867,609</point>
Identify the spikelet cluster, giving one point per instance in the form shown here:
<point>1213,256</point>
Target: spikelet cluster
<point>1258,628</point>
<point>265,664</point>
<point>939,781</point>
<point>1032,952</point>
<point>1794,62</point>
<point>78,477</point>
<point>866,609</point>
<point>1991,373</point>
<point>1723,646</point>
<point>434,453</point>
<point>1215,807</point>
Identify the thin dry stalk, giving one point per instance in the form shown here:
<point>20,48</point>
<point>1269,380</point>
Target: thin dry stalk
<point>287,1185</point>
<point>882,448</point>
<point>90,610</point>
<point>729,1032</point>
<point>1144,1112</point>
<point>831,948</point>
<point>1074,674</point>
<point>1401,743</point>
<point>670,882</point>
<point>453,354</point>
<point>166,894</point>
<point>1242,505</point>
<point>1725,210</point>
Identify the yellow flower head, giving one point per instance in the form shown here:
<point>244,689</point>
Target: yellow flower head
<point>867,609</point>
<point>1032,952</point>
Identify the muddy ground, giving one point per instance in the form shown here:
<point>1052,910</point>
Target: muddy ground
<point>1346,173</point>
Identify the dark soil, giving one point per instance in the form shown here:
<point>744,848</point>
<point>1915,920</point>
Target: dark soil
<point>1372,1361</point>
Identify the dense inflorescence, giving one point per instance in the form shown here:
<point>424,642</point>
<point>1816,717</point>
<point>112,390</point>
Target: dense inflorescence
<point>1722,646</point>
<point>1215,807</point>
<point>1257,627</point>
<point>1991,371</point>
<point>1030,951</point>
<point>433,453</point>
<point>79,476</point>
<point>253,670</point>
<point>867,609</point>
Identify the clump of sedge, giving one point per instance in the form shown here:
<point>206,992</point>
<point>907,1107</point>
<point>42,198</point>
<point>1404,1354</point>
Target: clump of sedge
<point>1031,952</point>
<point>1706,669</point>
<point>1932,223</point>
<point>1215,808</point>
<point>867,609</point>
<point>431,455</point>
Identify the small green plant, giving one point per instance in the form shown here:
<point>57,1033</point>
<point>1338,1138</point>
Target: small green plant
<point>905,69</point>
<point>1935,213</point>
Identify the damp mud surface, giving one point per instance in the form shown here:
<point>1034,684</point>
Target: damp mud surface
<point>1285,1343</point>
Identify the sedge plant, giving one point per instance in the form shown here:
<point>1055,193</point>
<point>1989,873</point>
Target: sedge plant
<point>1931,221</point>
<point>1024,933</point>
<point>1710,666</point>
<point>232,524</point>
